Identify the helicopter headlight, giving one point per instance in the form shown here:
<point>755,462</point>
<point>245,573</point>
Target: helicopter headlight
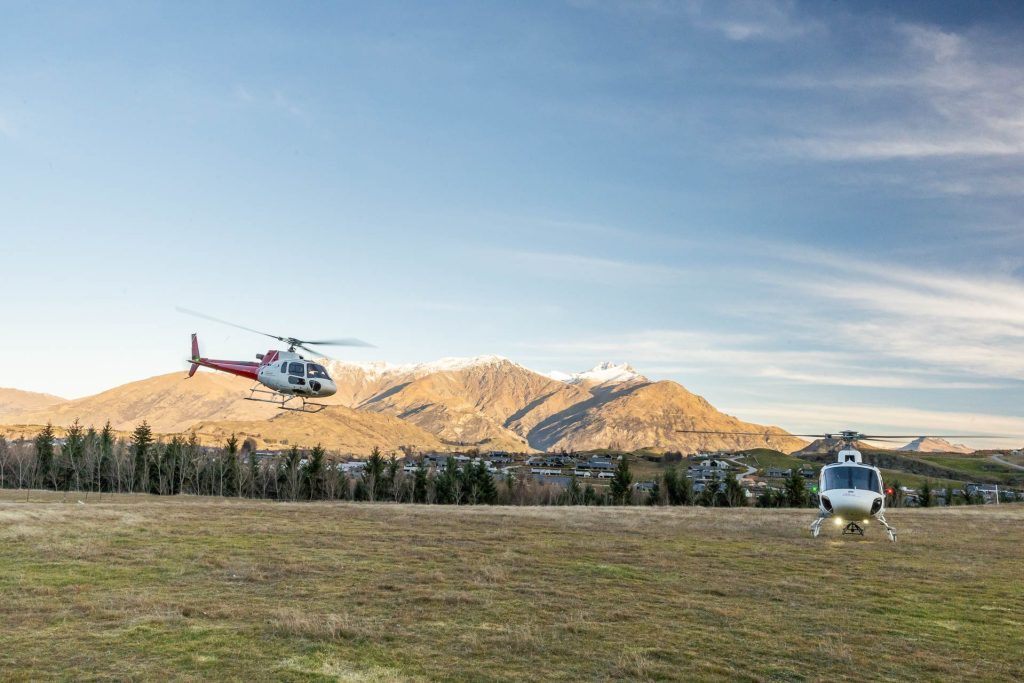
<point>876,506</point>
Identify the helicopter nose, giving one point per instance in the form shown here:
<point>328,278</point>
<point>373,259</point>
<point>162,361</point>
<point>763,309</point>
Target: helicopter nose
<point>328,387</point>
<point>853,504</point>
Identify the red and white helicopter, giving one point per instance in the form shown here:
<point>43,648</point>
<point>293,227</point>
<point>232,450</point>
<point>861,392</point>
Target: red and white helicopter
<point>281,376</point>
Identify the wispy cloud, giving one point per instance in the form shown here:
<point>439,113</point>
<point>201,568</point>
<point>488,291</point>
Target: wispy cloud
<point>736,20</point>
<point>574,265</point>
<point>942,95</point>
<point>954,322</point>
<point>889,326</point>
<point>888,418</point>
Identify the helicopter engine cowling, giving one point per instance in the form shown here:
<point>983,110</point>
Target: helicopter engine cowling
<point>853,504</point>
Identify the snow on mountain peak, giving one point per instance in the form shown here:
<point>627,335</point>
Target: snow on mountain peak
<point>602,373</point>
<point>449,364</point>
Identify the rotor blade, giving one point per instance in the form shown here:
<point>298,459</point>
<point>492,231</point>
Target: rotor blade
<point>225,322</point>
<point>350,341</point>
<point>883,437</point>
<point>715,431</point>
<point>313,351</point>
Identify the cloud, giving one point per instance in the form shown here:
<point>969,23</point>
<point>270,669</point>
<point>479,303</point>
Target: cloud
<point>860,323</point>
<point>574,265</point>
<point>943,94</point>
<point>802,417</point>
<point>735,20</point>
<point>750,20</point>
<point>956,323</point>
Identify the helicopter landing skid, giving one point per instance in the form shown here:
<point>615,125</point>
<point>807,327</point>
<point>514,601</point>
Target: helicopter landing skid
<point>816,525</point>
<point>888,529</point>
<point>281,401</point>
<point>853,528</point>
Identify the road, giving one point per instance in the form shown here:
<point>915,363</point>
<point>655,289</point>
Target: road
<point>1008,464</point>
<point>750,470</point>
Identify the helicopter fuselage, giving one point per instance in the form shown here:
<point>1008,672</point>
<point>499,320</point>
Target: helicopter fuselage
<point>284,372</point>
<point>850,490</point>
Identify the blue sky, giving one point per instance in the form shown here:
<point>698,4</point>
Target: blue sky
<point>810,213</point>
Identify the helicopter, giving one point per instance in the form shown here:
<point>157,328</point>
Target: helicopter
<point>281,376</point>
<point>849,490</point>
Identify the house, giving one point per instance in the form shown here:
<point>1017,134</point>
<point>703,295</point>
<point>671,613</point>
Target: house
<point>596,464</point>
<point>808,472</point>
<point>701,473</point>
<point>778,473</point>
<point>644,485</point>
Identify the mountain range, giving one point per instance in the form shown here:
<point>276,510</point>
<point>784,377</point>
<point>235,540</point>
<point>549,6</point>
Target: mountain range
<point>489,402</point>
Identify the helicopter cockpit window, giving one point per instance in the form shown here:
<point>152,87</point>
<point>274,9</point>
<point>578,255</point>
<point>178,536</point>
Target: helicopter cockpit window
<point>860,478</point>
<point>284,368</point>
<point>315,371</point>
<point>296,369</point>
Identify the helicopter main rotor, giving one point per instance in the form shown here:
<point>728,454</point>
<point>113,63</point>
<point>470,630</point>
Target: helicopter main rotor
<point>847,436</point>
<point>292,342</point>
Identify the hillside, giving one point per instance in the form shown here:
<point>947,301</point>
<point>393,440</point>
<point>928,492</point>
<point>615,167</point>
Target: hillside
<point>486,401</point>
<point>14,401</point>
<point>337,428</point>
<point>170,403</point>
<point>495,401</point>
<point>931,444</point>
<point>649,415</point>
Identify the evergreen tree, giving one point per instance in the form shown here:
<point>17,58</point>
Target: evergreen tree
<point>232,482</point>
<point>678,489</point>
<point>620,488</point>
<point>447,484</point>
<point>142,439</point>
<point>389,490</point>
<point>486,491</point>
<point>373,474</point>
<point>925,497</point>
<point>104,458</point>
<point>44,456</point>
<point>419,486</point>
<point>949,496</point>
<point>796,492</point>
<point>589,495</point>
<point>72,454</point>
<point>315,472</point>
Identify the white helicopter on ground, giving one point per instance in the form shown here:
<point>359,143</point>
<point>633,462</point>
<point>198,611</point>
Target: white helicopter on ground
<point>281,376</point>
<point>848,489</point>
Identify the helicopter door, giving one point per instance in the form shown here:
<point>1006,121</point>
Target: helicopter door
<point>296,374</point>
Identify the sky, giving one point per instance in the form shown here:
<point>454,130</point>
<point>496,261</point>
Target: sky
<point>809,213</point>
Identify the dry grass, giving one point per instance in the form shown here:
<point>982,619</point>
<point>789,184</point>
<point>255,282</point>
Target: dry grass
<point>132,587</point>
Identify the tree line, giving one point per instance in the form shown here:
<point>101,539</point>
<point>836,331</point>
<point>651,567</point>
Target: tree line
<point>99,461</point>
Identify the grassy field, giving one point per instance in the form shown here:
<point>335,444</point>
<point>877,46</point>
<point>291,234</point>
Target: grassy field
<point>186,589</point>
